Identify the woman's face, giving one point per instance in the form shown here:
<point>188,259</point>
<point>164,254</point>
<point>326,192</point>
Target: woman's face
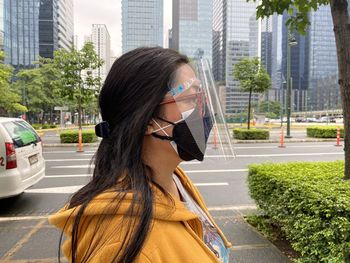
<point>172,108</point>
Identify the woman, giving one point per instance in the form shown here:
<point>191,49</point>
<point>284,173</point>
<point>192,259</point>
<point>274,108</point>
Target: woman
<point>139,206</point>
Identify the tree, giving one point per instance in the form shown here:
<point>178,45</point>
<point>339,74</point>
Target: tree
<point>40,86</point>
<point>9,100</point>
<point>79,86</point>
<point>299,20</point>
<point>253,77</point>
<point>271,108</point>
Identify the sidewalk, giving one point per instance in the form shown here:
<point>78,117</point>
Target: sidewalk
<point>28,238</point>
<point>249,246</point>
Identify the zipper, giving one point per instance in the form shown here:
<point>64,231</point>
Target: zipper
<point>200,241</point>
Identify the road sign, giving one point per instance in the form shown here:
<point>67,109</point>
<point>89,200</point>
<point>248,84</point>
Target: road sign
<point>64,108</point>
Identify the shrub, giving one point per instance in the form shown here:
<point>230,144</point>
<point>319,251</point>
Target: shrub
<point>252,134</point>
<point>52,126</point>
<point>72,136</point>
<point>310,202</point>
<point>36,126</point>
<point>324,132</point>
<point>45,126</point>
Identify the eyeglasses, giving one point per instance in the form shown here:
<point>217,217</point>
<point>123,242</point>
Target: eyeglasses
<point>187,99</point>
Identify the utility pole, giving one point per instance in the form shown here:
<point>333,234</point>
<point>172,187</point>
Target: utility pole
<point>291,42</point>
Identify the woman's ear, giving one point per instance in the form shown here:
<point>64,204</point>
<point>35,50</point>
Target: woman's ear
<point>150,128</point>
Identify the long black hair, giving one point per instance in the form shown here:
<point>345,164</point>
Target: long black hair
<point>129,99</point>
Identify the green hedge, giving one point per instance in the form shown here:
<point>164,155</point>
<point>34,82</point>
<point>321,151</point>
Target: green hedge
<point>36,126</point>
<point>324,132</point>
<point>72,136</point>
<point>310,202</point>
<point>251,134</point>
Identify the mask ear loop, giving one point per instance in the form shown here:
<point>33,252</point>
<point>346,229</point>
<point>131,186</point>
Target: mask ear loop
<point>160,128</point>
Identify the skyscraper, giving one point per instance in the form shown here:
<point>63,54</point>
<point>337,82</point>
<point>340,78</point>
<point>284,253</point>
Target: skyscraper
<point>2,30</point>
<point>29,28</point>
<point>192,27</point>
<point>236,36</point>
<point>219,39</point>
<point>322,53</point>
<point>65,23</point>
<point>20,26</point>
<point>266,45</point>
<point>299,62</point>
<point>313,59</point>
<point>142,23</point>
<point>48,28</point>
<point>102,42</point>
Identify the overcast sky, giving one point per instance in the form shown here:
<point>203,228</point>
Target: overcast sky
<point>88,12</point>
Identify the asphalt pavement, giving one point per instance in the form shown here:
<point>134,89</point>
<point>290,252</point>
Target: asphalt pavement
<point>25,235</point>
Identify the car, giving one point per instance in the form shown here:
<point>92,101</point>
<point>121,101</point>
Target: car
<point>21,158</point>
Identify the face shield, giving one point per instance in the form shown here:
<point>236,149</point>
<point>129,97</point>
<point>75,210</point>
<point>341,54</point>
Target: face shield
<point>202,119</point>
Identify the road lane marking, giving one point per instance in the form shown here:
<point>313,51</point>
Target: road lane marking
<point>22,218</point>
<point>89,159</point>
<point>188,172</point>
<point>286,154</point>
<point>74,188</point>
<point>73,166</point>
<point>70,152</point>
<point>214,208</point>
<point>66,175</point>
<point>66,160</point>
<point>55,190</point>
<point>7,257</point>
<point>289,146</point>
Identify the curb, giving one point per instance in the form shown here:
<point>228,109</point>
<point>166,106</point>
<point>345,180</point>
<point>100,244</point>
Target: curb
<point>285,141</point>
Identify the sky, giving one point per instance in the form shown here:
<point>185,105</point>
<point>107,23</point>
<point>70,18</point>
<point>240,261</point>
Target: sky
<point>88,12</point>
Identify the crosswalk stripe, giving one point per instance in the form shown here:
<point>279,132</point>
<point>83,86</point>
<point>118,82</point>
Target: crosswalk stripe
<point>74,188</point>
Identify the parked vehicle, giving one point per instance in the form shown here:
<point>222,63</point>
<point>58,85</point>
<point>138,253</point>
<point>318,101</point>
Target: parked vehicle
<point>327,119</point>
<point>21,159</point>
<point>311,120</point>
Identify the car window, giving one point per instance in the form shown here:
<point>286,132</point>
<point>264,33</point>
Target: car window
<point>22,134</point>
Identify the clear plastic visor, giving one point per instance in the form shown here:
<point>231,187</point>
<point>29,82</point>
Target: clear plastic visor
<point>198,102</point>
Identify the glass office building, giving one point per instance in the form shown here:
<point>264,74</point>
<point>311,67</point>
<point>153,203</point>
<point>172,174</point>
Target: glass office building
<point>219,39</point>
<point>323,53</point>
<point>299,63</point>
<point>2,32</point>
<point>142,23</point>
<point>236,36</point>
<point>48,28</point>
<point>65,20</point>
<point>312,59</point>
<point>20,25</point>
<point>56,28</point>
<point>192,28</point>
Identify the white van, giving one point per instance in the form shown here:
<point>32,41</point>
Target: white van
<point>21,159</point>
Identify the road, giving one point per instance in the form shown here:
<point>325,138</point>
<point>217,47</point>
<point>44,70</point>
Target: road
<point>25,235</point>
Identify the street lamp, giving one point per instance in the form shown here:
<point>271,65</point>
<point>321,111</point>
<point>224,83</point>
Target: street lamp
<point>291,42</point>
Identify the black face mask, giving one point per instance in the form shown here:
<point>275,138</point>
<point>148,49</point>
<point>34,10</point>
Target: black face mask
<point>188,147</point>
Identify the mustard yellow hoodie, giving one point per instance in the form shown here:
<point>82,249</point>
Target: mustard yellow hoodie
<point>175,236</point>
